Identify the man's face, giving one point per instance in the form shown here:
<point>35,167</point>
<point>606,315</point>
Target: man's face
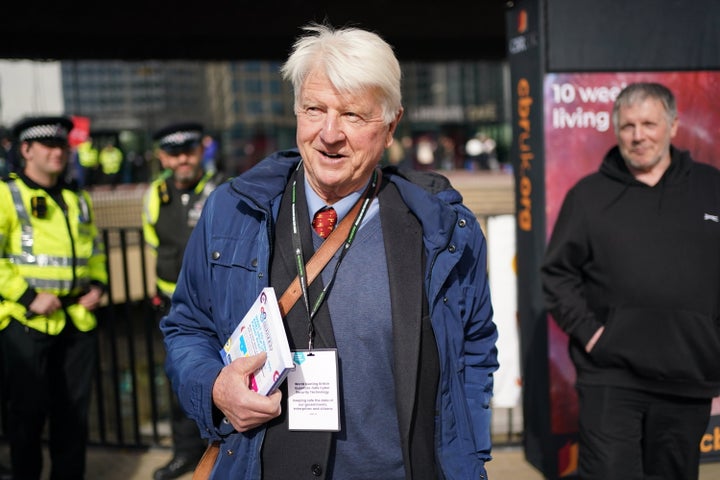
<point>644,135</point>
<point>186,164</point>
<point>44,159</point>
<point>341,137</point>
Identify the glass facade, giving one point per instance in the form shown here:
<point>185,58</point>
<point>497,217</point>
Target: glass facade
<point>451,108</point>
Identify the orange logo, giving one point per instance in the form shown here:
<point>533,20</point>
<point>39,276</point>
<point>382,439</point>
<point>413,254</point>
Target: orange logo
<point>522,21</point>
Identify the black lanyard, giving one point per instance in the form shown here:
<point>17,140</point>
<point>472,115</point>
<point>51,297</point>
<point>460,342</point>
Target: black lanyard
<point>300,260</point>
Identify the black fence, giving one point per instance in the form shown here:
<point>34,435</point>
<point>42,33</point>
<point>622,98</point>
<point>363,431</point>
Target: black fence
<point>131,397</point>
<point>131,400</point>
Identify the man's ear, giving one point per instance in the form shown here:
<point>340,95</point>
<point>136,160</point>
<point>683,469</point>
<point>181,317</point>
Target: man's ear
<point>392,127</point>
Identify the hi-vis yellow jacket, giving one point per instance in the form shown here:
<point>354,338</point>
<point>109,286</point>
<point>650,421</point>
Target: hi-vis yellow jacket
<point>168,218</point>
<point>87,155</point>
<point>110,159</point>
<point>46,249</point>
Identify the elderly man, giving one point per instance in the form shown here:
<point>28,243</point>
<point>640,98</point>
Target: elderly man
<point>396,332</point>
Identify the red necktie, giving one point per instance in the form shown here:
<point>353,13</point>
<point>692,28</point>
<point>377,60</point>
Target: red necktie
<point>324,221</point>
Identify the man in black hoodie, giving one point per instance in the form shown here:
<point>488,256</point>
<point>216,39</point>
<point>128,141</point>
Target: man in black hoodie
<point>632,275</point>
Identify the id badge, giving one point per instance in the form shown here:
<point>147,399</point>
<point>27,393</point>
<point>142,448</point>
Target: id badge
<point>313,399</point>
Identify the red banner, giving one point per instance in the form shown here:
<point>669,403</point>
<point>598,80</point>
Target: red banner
<point>80,131</point>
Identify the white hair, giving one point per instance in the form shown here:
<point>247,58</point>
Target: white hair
<point>353,60</point>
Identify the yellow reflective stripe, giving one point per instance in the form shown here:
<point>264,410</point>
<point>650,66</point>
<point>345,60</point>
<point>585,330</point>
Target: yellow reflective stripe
<point>43,260</point>
<point>84,207</point>
<point>17,200</point>
<point>26,230</point>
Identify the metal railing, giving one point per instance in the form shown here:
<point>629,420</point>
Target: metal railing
<point>132,396</point>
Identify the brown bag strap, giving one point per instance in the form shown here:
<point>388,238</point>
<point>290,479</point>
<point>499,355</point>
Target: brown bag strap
<point>313,267</point>
<point>207,462</point>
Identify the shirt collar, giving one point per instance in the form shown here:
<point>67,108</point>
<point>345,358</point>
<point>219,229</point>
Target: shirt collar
<point>342,207</point>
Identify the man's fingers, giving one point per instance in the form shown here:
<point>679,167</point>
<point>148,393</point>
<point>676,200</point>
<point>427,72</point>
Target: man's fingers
<point>251,364</point>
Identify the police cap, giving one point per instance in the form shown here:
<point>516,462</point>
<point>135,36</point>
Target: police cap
<point>47,130</point>
<point>179,137</point>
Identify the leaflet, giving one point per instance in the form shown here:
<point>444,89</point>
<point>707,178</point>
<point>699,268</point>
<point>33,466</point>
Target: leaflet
<point>262,330</point>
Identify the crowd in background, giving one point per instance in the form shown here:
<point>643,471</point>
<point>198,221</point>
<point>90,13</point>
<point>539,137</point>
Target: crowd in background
<point>103,159</point>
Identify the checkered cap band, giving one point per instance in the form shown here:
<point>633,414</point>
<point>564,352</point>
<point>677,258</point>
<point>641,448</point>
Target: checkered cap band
<point>180,138</point>
<point>39,132</point>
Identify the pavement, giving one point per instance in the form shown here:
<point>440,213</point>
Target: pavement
<point>130,464</point>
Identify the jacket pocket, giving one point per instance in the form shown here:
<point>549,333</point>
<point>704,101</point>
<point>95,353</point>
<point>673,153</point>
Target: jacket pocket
<point>661,344</point>
<point>234,281</point>
<point>232,252</point>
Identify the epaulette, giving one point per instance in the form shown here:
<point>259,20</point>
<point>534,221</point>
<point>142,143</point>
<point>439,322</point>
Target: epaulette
<point>163,192</point>
<point>9,177</point>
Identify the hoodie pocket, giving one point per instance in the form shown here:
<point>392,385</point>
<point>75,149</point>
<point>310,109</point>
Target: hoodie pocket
<point>661,344</point>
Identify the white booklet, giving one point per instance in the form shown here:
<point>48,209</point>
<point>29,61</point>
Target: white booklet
<point>262,330</point>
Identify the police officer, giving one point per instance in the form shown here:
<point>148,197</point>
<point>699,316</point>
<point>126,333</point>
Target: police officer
<point>53,278</point>
<point>110,159</point>
<point>173,204</point>
<point>87,156</point>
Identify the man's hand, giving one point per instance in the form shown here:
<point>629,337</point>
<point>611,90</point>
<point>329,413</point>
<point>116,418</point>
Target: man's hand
<point>91,300</point>
<point>244,408</point>
<point>594,339</point>
<point>44,304</point>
